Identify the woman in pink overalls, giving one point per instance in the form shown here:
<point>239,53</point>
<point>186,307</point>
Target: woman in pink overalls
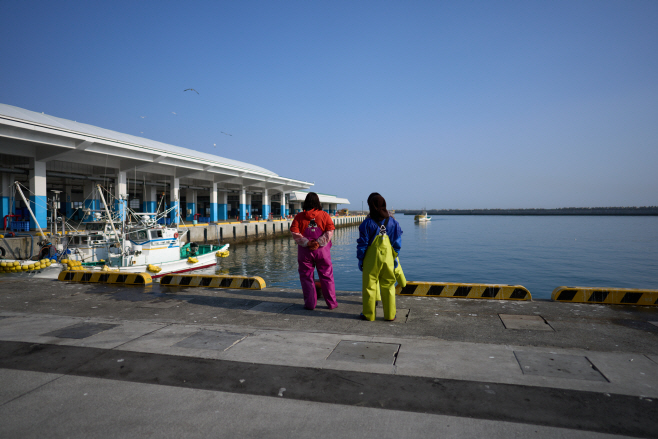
<point>312,230</point>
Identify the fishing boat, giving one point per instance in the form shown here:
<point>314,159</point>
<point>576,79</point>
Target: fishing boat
<point>38,269</point>
<point>422,218</point>
<point>144,247</point>
<point>35,266</point>
<point>156,250</point>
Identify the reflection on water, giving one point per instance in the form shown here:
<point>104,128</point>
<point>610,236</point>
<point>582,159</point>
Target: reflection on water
<point>540,253</point>
<point>275,260</point>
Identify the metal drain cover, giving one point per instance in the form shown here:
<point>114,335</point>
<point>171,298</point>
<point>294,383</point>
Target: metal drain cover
<point>365,352</point>
<point>558,366</point>
<point>80,330</point>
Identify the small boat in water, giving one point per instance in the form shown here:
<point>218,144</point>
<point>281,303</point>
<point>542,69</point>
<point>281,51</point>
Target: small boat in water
<point>422,218</point>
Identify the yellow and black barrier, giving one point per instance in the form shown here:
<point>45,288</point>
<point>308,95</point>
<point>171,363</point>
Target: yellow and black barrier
<point>213,281</point>
<point>105,277</point>
<point>465,291</point>
<point>606,296</point>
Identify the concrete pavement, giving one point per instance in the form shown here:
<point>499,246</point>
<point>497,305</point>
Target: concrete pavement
<point>160,355</point>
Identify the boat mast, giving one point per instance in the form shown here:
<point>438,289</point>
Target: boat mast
<point>30,209</point>
<point>107,211</point>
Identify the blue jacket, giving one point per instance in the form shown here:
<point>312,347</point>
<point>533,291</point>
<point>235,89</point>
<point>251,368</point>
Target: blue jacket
<point>369,229</point>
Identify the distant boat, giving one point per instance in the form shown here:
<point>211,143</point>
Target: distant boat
<point>422,218</point>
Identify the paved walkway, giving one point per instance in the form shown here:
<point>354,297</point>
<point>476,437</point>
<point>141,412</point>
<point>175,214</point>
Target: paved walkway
<point>100,361</point>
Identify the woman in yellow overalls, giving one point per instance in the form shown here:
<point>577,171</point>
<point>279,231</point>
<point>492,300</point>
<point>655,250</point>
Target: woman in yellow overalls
<point>378,246</point>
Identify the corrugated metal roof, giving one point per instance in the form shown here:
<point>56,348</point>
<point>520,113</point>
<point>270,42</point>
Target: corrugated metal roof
<point>91,130</point>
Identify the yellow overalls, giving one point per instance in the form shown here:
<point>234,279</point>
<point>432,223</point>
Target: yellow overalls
<point>379,275</point>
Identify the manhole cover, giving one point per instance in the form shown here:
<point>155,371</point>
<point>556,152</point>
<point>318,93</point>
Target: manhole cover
<point>81,330</point>
<point>365,352</point>
<point>558,366</point>
<point>215,340</point>
<point>535,323</point>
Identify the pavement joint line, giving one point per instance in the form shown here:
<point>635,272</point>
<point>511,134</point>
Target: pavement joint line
<point>573,409</point>
<point>141,336</point>
<point>32,390</point>
<point>396,368</point>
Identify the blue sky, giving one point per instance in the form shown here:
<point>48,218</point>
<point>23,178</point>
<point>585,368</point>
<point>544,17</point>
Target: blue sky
<point>443,104</point>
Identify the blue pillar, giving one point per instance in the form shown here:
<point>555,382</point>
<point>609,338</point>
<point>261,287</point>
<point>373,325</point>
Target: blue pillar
<point>190,211</point>
<point>39,206</point>
<point>266,211</point>
<point>174,196</point>
<point>38,201</point>
<point>222,206</point>
<point>243,205</point>
<point>149,206</point>
<point>284,205</point>
<point>120,208</point>
<point>5,206</point>
<point>222,211</point>
<point>174,213</point>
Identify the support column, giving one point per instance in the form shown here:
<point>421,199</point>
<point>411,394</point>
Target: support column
<point>38,201</point>
<point>222,207</point>
<point>266,205</point>
<point>284,204</point>
<point>213,203</point>
<point>190,200</point>
<point>174,195</point>
<point>249,215</point>
<point>150,199</point>
<point>243,204</point>
<point>5,200</point>
<point>121,195</point>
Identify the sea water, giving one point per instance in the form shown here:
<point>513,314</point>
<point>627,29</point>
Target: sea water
<point>538,252</point>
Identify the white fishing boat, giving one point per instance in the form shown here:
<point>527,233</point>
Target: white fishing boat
<point>38,269</point>
<point>154,250</point>
<point>422,218</point>
<point>146,247</point>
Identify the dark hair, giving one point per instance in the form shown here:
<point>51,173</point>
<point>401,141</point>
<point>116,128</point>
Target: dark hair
<point>312,201</point>
<point>377,205</point>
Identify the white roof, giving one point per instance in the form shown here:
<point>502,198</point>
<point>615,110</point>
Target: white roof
<point>324,198</point>
<point>52,139</point>
<point>91,130</point>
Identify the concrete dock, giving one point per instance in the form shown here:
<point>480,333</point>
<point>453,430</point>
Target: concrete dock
<point>92,360</point>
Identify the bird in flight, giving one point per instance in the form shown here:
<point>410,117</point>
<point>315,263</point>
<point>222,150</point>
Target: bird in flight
<point>173,112</point>
<point>215,145</point>
<point>142,117</point>
<point>226,133</point>
<point>192,90</point>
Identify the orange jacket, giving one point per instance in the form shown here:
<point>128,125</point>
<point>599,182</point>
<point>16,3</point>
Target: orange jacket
<point>302,220</point>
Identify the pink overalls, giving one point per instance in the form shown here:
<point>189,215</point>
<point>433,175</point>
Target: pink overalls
<point>308,260</point>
